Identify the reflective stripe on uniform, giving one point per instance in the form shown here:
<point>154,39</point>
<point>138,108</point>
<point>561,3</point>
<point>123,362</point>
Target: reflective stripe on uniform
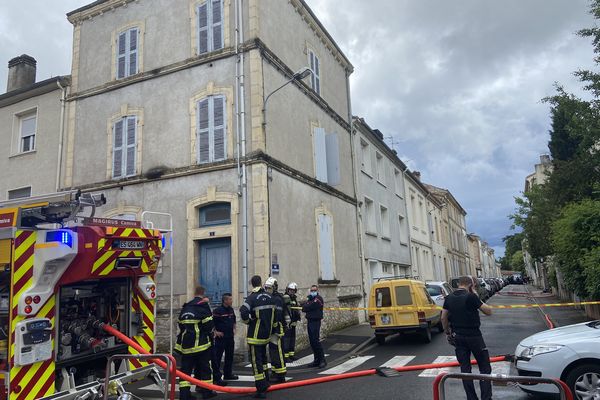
<point>205,320</point>
<point>257,341</point>
<point>247,306</point>
<point>265,307</point>
<point>188,321</point>
<point>191,350</point>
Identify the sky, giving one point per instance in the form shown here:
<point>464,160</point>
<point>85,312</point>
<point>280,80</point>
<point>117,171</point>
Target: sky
<point>454,86</point>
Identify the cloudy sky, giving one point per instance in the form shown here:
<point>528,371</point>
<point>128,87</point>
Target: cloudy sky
<point>456,84</point>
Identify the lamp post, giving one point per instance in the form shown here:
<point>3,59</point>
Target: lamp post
<point>299,75</point>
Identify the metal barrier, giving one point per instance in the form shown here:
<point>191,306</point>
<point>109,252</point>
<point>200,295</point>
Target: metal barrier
<point>439,392</point>
<point>168,384</point>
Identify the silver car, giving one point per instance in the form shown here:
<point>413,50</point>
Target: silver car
<point>438,291</point>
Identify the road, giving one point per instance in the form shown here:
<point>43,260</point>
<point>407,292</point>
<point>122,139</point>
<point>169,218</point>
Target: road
<point>502,332</point>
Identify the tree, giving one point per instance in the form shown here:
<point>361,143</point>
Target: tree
<point>516,261</point>
<point>576,241</point>
<point>512,244</point>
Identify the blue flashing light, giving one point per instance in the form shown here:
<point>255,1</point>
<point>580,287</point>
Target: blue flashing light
<point>63,237</point>
<point>164,241</point>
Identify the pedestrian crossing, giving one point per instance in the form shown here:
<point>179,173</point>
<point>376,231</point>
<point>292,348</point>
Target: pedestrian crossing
<point>301,362</point>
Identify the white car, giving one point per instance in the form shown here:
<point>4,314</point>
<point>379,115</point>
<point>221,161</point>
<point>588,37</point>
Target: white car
<point>438,291</point>
<point>571,353</point>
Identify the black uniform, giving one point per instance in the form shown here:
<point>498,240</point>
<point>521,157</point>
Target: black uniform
<point>224,318</point>
<point>275,349</point>
<point>463,315</point>
<point>258,312</point>
<point>314,314</point>
<point>193,343</point>
<point>289,338</point>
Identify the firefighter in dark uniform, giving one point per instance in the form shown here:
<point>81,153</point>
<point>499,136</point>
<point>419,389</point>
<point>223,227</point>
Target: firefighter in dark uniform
<point>275,347</point>
<point>258,312</point>
<point>289,338</point>
<point>193,343</point>
<point>313,308</point>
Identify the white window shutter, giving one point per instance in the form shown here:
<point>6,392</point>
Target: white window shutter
<point>118,149</point>
<point>317,75</point>
<point>133,51</point>
<point>326,247</point>
<point>333,159</point>
<point>131,146</point>
<point>219,150</point>
<point>203,138</point>
<point>217,24</point>
<point>202,12</point>
<point>320,154</point>
<point>121,56</point>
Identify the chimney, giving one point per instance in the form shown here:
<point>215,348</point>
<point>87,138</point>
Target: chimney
<point>545,159</point>
<point>21,72</point>
<point>417,175</point>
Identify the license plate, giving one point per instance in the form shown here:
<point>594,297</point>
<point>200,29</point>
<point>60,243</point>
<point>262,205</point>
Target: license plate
<point>130,244</point>
<point>385,319</point>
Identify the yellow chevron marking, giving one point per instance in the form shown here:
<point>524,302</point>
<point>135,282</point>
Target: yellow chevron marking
<point>99,262</point>
<point>23,247</point>
<point>24,268</point>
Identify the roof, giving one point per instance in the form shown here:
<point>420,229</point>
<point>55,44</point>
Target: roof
<point>446,194</point>
<point>33,90</point>
<point>86,7</point>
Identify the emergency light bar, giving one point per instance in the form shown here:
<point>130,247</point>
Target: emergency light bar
<point>62,237</point>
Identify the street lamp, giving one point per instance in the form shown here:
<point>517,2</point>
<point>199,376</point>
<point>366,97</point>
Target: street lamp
<point>299,75</point>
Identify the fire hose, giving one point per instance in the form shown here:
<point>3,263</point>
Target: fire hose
<point>288,385</point>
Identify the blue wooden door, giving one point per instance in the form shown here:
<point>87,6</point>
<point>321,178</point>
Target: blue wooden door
<point>215,267</point>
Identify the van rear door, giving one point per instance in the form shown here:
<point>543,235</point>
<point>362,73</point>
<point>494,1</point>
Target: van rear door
<point>383,302</point>
<point>406,315</point>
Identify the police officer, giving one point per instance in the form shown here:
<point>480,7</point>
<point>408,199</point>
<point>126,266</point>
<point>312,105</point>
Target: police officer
<point>224,318</point>
<point>289,338</point>
<point>193,343</point>
<point>258,312</point>
<point>275,348</point>
<point>460,318</point>
<point>313,308</point>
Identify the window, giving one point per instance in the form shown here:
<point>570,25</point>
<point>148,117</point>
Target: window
<point>398,187</point>
<point>315,67</point>
<point>327,158</point>
<point>383,297</point>
<point>380,171</point>
<point>365,157</point>
<point>127,53</point>
<point>403,297</point>
<point>385,221</point>
<point>385,268</point>
<point>434,290</point>
<point>27,135</point>
<point>402,229</point>
<point>215,214</point>
<point>19,193</point>
<point>124,147</point>
<point>428,296</point>
<point>326,258</point>
<point>370,216</point>
<point>210,26</point>
<point>211,129</point>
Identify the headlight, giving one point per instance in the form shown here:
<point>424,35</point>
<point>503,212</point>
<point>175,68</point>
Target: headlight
<point>532,351</point>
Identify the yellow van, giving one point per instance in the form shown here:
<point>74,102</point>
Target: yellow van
<point>402,305</point>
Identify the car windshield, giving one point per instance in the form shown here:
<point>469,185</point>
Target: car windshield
<point>434,290</point>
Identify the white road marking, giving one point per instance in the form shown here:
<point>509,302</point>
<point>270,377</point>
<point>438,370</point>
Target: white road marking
<point>298,363</point>
<point>432,373</point>
<point>398,361</point>
<point>346,366</point>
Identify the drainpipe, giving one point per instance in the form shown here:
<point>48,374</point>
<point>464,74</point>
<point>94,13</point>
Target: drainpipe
<point>355,188</point>
<point>241,116</point>
<point>410,254</point>
<point>60,130</point>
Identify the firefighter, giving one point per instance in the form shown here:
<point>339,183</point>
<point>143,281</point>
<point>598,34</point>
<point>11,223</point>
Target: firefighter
<point>193,343</point>
<point>258,312</point>
<point>289,338</point>
<point>279,325</point>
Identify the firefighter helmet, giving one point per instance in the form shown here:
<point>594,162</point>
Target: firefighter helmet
<point>292,286</point>
<point>271,283</point>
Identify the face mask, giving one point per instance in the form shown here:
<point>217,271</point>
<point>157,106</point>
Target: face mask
<point>314,294</point>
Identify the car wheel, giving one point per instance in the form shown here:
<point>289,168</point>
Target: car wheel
<point>584,381</point>
<point>380,339</point>
<point>426,334</point>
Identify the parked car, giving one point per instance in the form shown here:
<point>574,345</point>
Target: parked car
<point>571,353</point>
<point>481,291</point>
<point>494,285</point>
<point>388,296</point>
<point>487,287</point>
<point>438,291</point>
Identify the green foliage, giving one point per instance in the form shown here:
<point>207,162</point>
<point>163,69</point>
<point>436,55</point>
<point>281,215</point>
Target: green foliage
<point>516,261</point>
<point>576,241</point>
<point>512,244</point>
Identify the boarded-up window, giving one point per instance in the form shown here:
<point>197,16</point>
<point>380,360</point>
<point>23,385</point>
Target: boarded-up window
<point>210,26</point>
<point>326,257</point>
<point>211,129</point>
<point>327,157</point>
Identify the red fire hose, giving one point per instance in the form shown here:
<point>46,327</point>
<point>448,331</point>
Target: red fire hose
<point>286,385</point>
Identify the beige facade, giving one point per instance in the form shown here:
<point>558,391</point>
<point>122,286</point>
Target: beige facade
<point>540,175</point>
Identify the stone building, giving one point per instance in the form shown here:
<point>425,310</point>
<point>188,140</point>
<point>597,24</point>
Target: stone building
<point>385,235</point>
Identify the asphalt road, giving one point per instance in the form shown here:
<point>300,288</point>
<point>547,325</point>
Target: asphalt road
<point>502,332</point>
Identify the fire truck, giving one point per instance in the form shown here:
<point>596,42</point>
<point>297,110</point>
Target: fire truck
<point>64,274</point>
